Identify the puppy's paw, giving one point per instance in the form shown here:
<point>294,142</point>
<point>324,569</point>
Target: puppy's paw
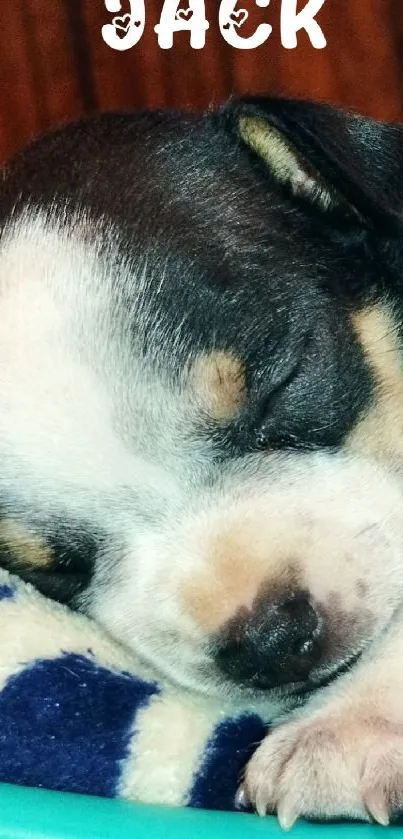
<point>331,766</point>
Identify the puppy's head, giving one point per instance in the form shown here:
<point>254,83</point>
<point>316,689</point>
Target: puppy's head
<point>285,558</point>
<point>271,310</point>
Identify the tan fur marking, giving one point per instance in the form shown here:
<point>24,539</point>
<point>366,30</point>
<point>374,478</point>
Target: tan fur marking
<point>238,571</point>
<point>27,548</point>
<point>218,383</point>
<point>380,432</point>
<point>230,581</point>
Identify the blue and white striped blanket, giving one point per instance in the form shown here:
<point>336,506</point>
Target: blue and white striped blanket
<point>78,713</point>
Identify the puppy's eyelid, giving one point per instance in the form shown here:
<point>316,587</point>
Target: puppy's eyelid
<point>278,388</point>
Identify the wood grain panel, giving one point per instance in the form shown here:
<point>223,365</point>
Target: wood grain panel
<point>40,86</point>
<point>54,65</point>
<point>362,66</point>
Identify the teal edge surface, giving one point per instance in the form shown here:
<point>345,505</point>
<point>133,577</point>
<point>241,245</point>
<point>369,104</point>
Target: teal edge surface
<point>39,814</point>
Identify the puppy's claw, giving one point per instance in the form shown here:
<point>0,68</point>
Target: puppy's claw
<point>241,798</point>
<point>287,814</point>
<point>377,807</point>
<point>261,805</point>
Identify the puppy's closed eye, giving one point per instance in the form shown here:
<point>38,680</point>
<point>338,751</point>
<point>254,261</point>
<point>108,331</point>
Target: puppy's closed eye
<point>285,376</point>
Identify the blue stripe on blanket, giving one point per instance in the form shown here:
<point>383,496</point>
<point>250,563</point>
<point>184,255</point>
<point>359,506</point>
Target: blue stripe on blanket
<point>226,754</point>
<point>66,724</point>
<point>7,592</point>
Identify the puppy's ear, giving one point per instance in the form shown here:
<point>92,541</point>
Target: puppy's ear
<point>327,156</point>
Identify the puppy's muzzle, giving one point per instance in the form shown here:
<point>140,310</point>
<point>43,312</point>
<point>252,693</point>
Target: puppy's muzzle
<point>277,642</point>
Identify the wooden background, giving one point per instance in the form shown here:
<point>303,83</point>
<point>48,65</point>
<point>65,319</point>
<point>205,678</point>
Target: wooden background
<point>54,65</point>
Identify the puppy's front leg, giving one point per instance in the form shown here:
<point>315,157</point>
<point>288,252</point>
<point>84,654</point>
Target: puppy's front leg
<point>342,757</point>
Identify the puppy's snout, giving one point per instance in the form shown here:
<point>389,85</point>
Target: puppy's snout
<point>277,642</point>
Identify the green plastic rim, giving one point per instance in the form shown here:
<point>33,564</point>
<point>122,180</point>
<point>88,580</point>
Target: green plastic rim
<point>40,814</point>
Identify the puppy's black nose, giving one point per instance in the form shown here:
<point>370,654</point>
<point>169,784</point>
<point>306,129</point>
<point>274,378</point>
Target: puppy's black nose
<point>277,642</point>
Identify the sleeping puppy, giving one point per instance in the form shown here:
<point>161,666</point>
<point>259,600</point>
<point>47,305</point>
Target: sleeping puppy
<point>201,424</point>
